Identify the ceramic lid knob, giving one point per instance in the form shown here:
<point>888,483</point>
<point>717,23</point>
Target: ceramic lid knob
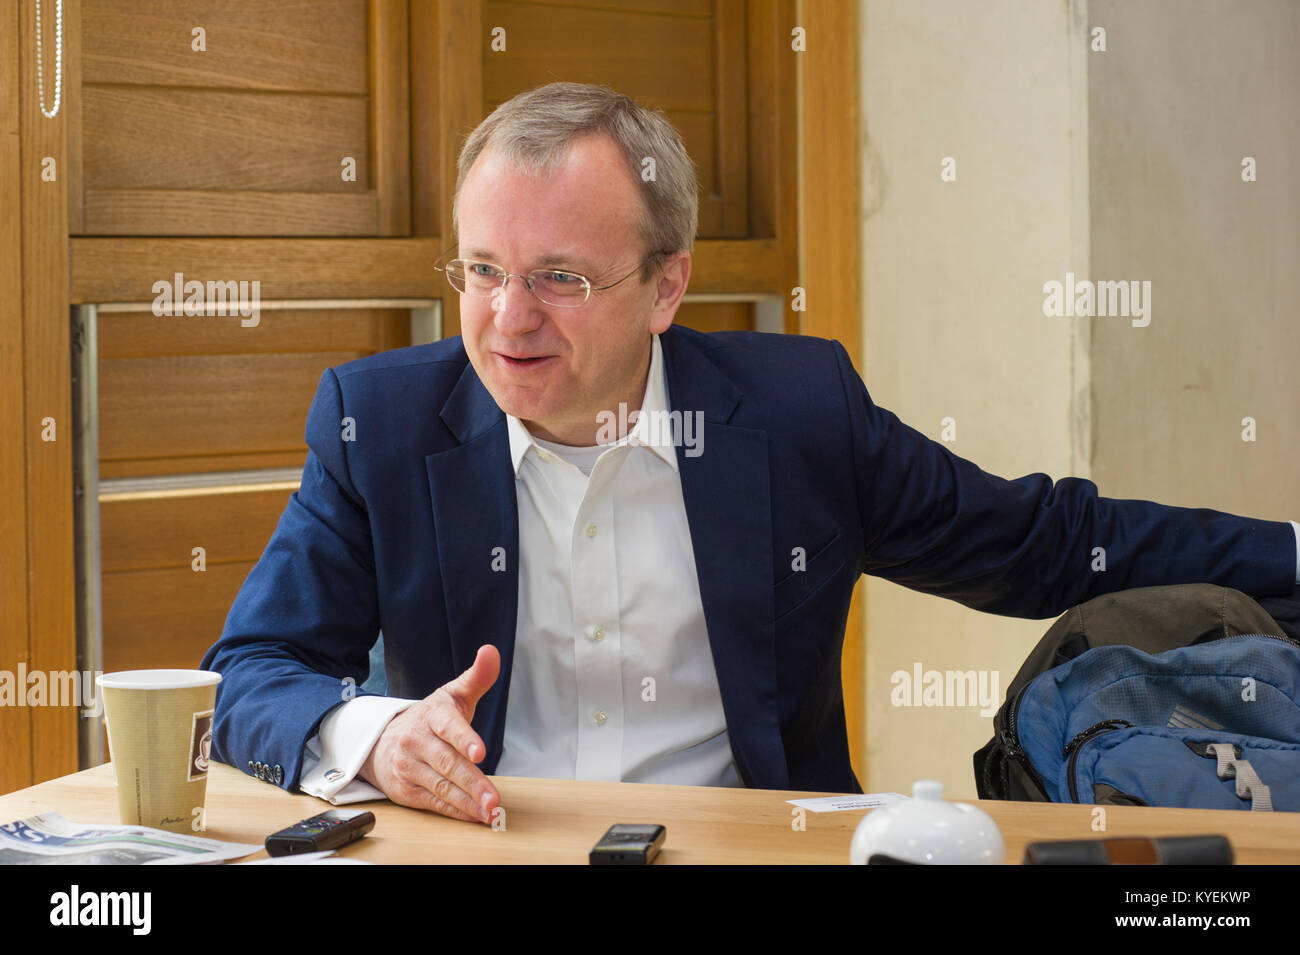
<point>927,789</point>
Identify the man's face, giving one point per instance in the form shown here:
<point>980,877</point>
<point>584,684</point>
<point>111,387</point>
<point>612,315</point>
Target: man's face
<point>582,219</point>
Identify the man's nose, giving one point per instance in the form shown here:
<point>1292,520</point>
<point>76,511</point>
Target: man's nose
<point>514,305</point>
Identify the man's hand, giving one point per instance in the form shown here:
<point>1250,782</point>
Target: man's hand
<point>425,757</point>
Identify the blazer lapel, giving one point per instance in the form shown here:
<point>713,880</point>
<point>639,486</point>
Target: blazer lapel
<point>728,508</point>
<point>476,519</point>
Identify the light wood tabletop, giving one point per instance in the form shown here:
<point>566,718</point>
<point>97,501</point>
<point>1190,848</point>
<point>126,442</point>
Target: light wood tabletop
<point>559,820</point>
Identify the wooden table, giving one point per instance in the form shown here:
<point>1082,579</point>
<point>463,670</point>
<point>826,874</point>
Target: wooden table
<point>558,820</point>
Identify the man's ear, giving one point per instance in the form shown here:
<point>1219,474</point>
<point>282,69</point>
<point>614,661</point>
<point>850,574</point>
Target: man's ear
<point>674,276</point>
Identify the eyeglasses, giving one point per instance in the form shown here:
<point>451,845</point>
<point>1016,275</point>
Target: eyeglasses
<point>557,287</point>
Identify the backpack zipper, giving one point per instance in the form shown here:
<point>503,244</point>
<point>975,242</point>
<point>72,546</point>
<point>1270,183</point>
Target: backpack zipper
<point>1073,748</point>
<point>1080,738</point>
<point>1011,740</point>
<point>1239,636</point>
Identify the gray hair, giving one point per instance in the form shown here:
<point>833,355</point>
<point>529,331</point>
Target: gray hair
<point>535,130</point>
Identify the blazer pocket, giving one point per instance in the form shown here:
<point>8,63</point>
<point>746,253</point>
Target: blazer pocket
<point>791,591</point>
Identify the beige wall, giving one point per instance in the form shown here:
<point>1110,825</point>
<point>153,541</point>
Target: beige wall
<point>1115,165</point>
<point>953,308</point>
<point>1184,91</point>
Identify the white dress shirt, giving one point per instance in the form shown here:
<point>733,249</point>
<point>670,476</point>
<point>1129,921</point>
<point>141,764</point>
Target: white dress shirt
<point>613,675</point>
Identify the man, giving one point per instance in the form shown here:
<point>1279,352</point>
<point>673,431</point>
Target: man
<point>565,591</point>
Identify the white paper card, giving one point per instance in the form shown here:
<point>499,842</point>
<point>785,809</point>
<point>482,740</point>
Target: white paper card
<point>840,803</point>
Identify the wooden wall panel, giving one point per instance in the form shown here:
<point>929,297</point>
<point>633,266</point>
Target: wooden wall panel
<point>124,270</point>
<point>72,97</point>
<point>698,8</point>
<point>716,316</point>
<point>47,372</point>
<point>460,106</point>
<point>699,133</point>
<point>279,331</point>
<point>142,138</point>
<point>178,394</point>
<point>152,534</point>
<point>666,61</point>
<point>200,463</point>
<point>169,617</point>
<point>390,133</point>
<point>207,404</point>
<point>426,119</point>
<point>138,212</point>
<point>15,722</point>
<point>728,200</point>
<point>248,136</point>
<point>775,137</point>
<point>251,44</point>
<point>158,610</point>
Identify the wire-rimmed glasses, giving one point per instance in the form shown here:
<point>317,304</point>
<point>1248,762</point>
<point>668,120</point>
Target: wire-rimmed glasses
<point>558,287</point>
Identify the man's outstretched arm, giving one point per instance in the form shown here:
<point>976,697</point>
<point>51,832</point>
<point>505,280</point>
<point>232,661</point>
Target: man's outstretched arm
<point>1033,547</point>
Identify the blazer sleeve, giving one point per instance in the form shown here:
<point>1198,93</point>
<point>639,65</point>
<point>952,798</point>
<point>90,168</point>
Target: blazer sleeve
<point>1033,547</point>
<point>297,639</point>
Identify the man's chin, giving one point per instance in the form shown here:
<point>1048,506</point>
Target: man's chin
<point>522,401</point>
<point>510,402</point>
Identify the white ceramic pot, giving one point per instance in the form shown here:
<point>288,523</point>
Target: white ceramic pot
<point>928,830</point>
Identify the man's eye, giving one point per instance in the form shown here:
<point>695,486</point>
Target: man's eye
<point>481,269</point>
<point>563,278</point>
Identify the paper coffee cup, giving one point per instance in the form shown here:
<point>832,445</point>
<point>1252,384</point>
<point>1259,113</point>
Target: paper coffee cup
<point>159,737</point>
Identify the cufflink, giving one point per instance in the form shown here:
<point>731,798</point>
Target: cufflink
<point>332,775</point>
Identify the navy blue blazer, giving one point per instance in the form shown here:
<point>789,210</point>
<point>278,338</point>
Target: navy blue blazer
<point>396,528</point>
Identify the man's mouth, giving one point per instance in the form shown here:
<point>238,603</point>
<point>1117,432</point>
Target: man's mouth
<point>523,361</point>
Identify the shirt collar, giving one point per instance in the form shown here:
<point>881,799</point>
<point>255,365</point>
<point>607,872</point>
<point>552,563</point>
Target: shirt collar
<point>653,406</point>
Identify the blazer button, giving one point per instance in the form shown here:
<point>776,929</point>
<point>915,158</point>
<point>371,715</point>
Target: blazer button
<point>250,765</point>
<point>279,774</point>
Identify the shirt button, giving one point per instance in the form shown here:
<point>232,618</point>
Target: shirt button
<point>591,530</point>
<point>600,717</point>
<point>545,455</point>
<point>598,634</point>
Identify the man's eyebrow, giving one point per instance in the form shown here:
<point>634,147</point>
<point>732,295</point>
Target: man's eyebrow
<point>576,261</point>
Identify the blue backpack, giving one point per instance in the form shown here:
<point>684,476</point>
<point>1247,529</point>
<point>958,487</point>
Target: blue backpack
<point>1111,709</point>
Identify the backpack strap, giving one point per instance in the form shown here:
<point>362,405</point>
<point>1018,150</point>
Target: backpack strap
<point>1249,785</point>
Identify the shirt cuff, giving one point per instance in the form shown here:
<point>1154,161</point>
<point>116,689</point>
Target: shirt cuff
<point>1296,527</point>
<point>333,757</point>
